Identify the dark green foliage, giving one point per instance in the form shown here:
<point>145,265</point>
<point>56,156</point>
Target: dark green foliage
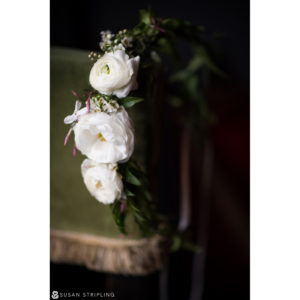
<point>138,199</point>
<point>130,101</point>
<point>118,216</point>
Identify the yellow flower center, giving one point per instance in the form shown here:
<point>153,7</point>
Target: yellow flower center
<point>105,69</point>
<point>99,184</point>
<point>101,137</point>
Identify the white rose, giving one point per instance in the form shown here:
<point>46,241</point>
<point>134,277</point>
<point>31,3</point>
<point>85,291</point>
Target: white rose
<point>102,181</point>
<point>115,73</point>
<point>105,138</point>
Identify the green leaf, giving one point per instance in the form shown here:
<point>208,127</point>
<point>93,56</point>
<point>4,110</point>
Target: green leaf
<point>133,206</point>
<point>130,101</point>
<point>171,24</point>
<point>176,243</point>
<point>202,58</point>
<point>147,195</point>
<point>118,217</point>
<point>129,193</point>
<point>186,245</point>
<point>140,219</point>
<point>130,178</point>
<point>145,16</point>
<point>167,44</point>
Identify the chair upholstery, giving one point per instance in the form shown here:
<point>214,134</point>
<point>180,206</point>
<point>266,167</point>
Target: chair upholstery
<point>82,229</point>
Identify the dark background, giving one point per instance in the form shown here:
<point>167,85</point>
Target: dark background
<point>226,270</point>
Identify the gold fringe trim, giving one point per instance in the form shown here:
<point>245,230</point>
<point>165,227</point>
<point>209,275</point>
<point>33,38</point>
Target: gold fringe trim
<point>128,257</point>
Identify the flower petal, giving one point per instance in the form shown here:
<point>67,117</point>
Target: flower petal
<point>70,119</point>
<point>77,106</point>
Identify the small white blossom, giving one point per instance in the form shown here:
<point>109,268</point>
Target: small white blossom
<point>76,114</point>
<point>119,47</point>
<point>127,41</point>
<point>106,38</point>
<point>102,105</point>
<point>110,107</point>
<point>106,35</point>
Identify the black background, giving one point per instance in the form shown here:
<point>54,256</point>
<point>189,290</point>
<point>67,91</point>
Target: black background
<point>77,24</point>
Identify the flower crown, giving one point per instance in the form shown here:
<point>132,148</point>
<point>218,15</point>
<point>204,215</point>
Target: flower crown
<point>103,130</point>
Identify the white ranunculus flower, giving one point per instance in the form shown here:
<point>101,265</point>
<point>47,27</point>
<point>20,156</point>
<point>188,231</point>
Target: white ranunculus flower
<point>105,138</point>
<point>115,73</point>
<point>102,181</point>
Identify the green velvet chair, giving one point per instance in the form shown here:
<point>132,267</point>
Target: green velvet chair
<point>82,229</point>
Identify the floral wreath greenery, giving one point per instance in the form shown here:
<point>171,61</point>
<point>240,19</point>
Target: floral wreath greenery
<point>104,131</point>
